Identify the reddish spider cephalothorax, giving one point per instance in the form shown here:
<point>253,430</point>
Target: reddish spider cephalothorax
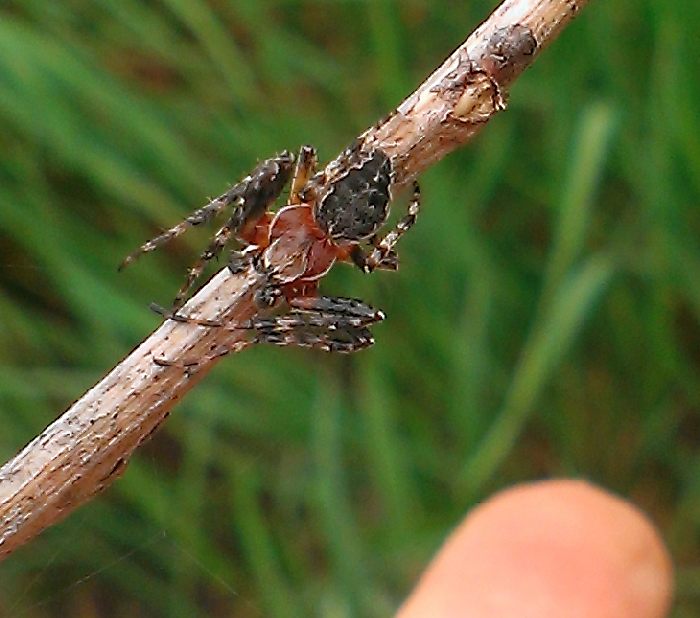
<point>330,215</point>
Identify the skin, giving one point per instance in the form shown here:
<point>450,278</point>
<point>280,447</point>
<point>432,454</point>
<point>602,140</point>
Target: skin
<point>563,549</point>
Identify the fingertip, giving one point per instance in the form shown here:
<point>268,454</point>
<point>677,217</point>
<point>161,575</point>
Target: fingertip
<point>548,549</point>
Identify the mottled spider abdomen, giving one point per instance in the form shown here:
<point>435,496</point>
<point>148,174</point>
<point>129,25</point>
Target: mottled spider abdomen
<point>357,202</point>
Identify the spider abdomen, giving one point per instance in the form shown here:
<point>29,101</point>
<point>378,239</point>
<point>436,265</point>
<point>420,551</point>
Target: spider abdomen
<point>356,204</point>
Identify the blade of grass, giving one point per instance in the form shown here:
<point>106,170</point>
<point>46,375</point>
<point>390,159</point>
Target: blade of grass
<point>549,342</point>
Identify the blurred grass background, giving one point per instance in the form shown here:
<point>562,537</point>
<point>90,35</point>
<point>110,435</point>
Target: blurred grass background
<point>544,322</point>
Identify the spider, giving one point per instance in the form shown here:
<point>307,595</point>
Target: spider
<point>331,215</point>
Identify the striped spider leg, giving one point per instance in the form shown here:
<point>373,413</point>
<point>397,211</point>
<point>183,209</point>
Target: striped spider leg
<point>331,324</point>
<point>249,199</point>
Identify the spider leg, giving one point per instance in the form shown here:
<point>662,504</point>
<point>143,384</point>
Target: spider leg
<point>344,340</point>
<point>250,197</point>
<point>304,170</point>
<point>390,261</point>
<point>239,261</point>
<point>383,254</point>
<point>320,322</point>
<point>257,196</point>
<point>318,311</point>
<point>194,271</point>
<point>324,323</point>
<point>191,366</point>
<point>185,319</point>
<point>329,310</point>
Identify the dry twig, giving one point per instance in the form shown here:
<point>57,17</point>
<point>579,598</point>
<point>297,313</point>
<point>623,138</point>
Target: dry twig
<point>83,451</point>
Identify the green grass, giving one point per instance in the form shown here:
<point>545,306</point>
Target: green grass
<point>545,321</point>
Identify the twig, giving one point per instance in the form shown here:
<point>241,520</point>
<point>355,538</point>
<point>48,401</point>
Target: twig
<point>83,451</point>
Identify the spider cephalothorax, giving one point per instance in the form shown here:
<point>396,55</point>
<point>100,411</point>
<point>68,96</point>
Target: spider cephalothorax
<point>331,215</point>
